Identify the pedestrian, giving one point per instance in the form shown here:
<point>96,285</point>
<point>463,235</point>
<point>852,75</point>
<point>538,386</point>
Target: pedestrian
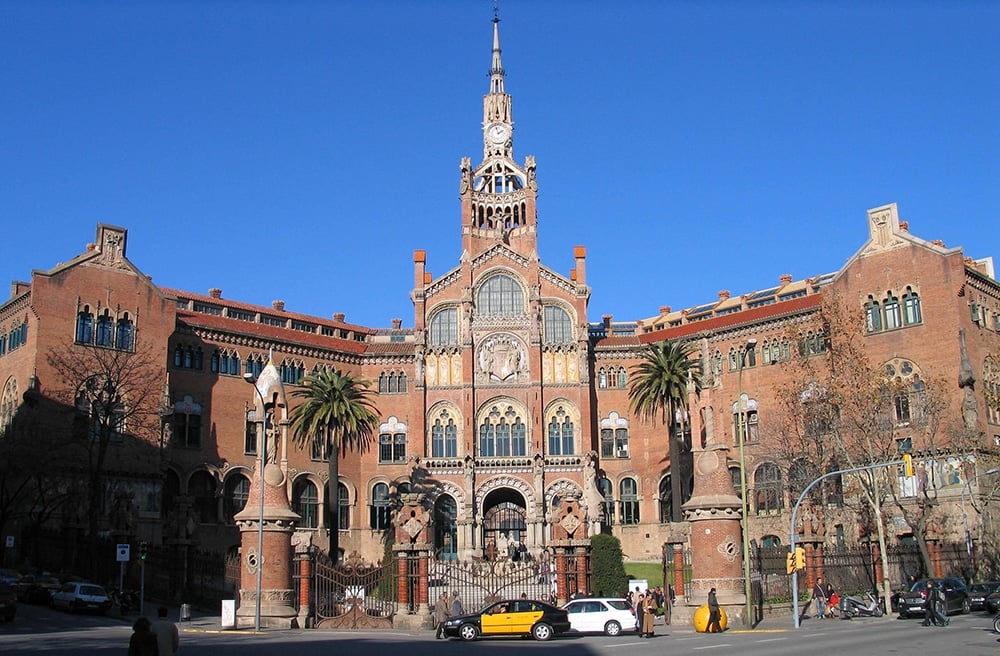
<point>456,606</point>
<point>832,599</point>
<point>714,615</point>
<point>441,610</point>
<point>930,599</point>
<point>649,615</point>
<point>819,598</point>
<point>167,637</point>
<point>941,605</point>
<point>142,642</point>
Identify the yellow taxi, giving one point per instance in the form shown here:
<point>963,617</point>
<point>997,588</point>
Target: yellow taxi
<point>510,617</point>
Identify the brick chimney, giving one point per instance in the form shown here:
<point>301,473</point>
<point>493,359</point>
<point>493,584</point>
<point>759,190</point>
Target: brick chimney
<point>785,279</point>
<point>215,292</point>
<point>339,317</point>
<point>664,309</point>
<point>397,324</point>
<point>278,305</point>
<point>723,294</point>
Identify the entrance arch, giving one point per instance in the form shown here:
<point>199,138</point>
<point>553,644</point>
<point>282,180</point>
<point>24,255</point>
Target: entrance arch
<point>504,522</point>
<point>446,527</point>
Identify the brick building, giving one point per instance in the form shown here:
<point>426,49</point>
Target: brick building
<point>503,399</point>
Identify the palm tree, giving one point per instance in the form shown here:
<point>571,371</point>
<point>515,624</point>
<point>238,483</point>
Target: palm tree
<point>336,408</point>
<point>659,388</point>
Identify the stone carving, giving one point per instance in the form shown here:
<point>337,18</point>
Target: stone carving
<point>501,358</point>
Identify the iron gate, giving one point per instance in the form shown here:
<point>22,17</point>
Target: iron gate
<point>353,594</point>
<point>479,582</point>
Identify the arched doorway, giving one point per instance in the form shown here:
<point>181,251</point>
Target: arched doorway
<point>445,528</point>
<point>504,525</point>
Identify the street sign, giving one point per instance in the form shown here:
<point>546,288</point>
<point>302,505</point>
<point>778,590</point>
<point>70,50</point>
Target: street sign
<point>10,541</point>
<point>123,552</point>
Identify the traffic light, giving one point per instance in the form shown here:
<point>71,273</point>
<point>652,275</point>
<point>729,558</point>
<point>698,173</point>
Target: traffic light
<point>790,563</point>
<point>908,464</point>
<point>800,558</point>
<point>142,551</point>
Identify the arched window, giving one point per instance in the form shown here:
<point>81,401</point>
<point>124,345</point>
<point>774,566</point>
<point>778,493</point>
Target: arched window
<point>622,378</point>
<point>125,334</point>
<point>446,527</point>
<point>911,308</point>
<point>292,372</point>
<point>501,295</point>
<point>187,424</point>
<point>561,433</point>
<point>105,330</point>
<point>202,488</point>
<point>891,309</point>
<point>392,441</point>
<point>873,315</point>
<point>254,365</point>
<point>237,494</point>
<point>343,507</point>
<point>558,329</point>
<point>770,541</point>
<point>444,328</point>
<point>379,519</point>
<point>666,499</point>
<point>502,432</point>
<point>9,403</point>
<point>746,424</point>
<point>801,474</point>
<point>85,326</point>
<point>629,499</point>
<point>444,436</point>
<point>602,378</point>
<point>305,501</point>
<point>614,436</point>
<point>768,489</point>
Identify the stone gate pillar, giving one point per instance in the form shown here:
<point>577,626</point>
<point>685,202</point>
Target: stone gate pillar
<point>413,547</point>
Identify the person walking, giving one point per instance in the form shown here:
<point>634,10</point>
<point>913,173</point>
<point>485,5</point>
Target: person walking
<point>456,606</point>
<point>649,615</point>
<point>941,606</point>
<point>819,598</point>
<point>441,611</point>
<point>930,603</point>
<point>640,610</point>
<point>142,642</point>
<point>167,638</point>
<point>714,615</point>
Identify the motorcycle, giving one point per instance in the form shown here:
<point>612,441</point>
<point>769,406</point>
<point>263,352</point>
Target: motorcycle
<point>858,606</point>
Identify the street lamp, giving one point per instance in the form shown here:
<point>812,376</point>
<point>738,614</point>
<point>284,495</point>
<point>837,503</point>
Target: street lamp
<point>965,516</point>
<point>262,449</point>
<point>745,506</point>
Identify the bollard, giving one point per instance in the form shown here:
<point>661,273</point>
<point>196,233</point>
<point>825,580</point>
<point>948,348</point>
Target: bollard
<point>185,612</point>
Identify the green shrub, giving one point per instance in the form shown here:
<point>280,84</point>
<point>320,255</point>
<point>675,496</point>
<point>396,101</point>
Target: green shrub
<point>609,578</point>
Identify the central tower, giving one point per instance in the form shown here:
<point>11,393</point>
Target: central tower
<point>498,196</point>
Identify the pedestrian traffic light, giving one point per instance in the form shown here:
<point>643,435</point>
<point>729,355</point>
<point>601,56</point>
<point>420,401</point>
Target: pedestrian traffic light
<point>800,558</point>
<point>789,563</point>
<point>908,464</point>
<point>142,551</point>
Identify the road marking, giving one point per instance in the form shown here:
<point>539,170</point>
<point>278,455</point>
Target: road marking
<point>721,644</point>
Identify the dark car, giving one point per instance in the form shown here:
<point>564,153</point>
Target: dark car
<point>978,592</point>
<point>992,602</point>
<point>36,588</point>
<point>912,602</point>
<point>512,617</point>
<point>8,602</point>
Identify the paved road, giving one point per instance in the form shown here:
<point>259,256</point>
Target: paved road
<point>44,632</point>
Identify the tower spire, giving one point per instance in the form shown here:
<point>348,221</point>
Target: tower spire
<point>496,70</point>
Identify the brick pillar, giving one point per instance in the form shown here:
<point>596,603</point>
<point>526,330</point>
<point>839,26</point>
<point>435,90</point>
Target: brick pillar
<point>678,569</point>
<point>814,560</point>
<point>581,569</point>
<point>422,591</point>
<point>877,560</point>
<point>935,552</point>
<point>402,569</point>
<point>560,558</point>
<point>305,585</point>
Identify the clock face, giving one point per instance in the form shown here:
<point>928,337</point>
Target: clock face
<point>498,133</point>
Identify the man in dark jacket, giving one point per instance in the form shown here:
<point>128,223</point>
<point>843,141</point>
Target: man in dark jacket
<point>714,616</point>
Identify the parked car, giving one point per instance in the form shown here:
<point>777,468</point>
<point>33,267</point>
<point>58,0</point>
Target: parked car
<point>9,576</point>
<point>8,602</point>
<point>510,617</point>
<point>912,602</point>
<point>600,615</point>
<point>36,588</point>
<point>76,597</point>
<point>978,593</point>
<point>992,602</point>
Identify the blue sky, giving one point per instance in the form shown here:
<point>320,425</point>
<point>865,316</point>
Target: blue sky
<point>303,150</point>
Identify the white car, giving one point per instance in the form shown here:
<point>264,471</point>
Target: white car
<point>76,597</point>
<point>600,615</point>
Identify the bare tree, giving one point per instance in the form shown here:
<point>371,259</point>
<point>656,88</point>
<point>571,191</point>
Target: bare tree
<point>111,396</point>
<point>840,410</point>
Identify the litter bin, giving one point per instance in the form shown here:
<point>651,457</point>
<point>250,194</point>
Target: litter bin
<point>185,612</point>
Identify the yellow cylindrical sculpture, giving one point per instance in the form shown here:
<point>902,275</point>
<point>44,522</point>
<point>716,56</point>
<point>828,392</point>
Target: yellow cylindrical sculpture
<point>700,618</point>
